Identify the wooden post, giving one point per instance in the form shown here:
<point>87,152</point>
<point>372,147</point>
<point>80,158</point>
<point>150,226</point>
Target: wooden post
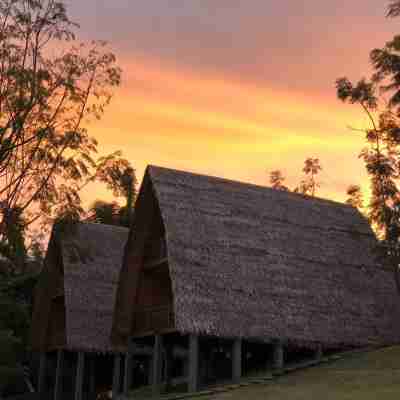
<point>116,376</point>
<point>278,360</point>
<point>157,364</point>
<point>193,363</point>
<point>318,352</point>
<point>42,373</point>
<point>58,387</point>
<point>127,373</point>
<point>92,377</point>
<point>79,376</point>
<point>186,367</point>
<point>168,366</point>
<point>237,360</point>
<point>150,371</point>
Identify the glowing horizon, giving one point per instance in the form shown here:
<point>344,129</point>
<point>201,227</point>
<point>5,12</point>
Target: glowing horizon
<point>236,90</point>
<point>231,141</point>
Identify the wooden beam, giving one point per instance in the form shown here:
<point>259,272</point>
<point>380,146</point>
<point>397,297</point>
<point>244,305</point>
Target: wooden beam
<point>58,387</point>
<point>157,364</point>
<point>177,351</point>
<point>79,376</point>
<point>42,373</point>
<point>237,360</point>
<point>127,373</point>
<point>116,376</point>
<point>140,335</point>
<point>193,363</point>
<point>278,357</point>
<point>155,263</point>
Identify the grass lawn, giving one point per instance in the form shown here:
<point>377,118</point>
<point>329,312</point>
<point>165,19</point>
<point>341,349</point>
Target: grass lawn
<point>366,376</point>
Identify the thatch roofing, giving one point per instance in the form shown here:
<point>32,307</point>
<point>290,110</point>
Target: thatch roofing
<point>253,262</point>
<point>91,257</point>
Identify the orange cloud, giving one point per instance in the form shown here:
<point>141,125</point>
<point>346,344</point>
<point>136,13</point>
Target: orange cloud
<point>235,129</point>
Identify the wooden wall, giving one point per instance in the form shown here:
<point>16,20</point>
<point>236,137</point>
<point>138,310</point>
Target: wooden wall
<point>143,291</point>
<point>154,303</point>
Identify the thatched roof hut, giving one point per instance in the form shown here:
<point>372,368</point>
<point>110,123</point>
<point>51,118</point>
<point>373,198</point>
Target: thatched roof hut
<point>252,262</point>
<point>75,295</point>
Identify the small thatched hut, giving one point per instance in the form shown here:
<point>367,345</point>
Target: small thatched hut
<point>74,301</point>
<point>212,258</point>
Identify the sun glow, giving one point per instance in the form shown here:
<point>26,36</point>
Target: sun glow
<point>215,125</point>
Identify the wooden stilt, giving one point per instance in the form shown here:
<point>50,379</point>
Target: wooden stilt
<point>92,377</point>
<point>150,372</point>
<point>79,376</point>
<point>237,360</point>
<point>168,366</point>
<point>318,352</point>
<point>58,389</point>
<point>211,364</point>
<point>157,364</point>
<point>193,363</point>
<point>186,368</point>
<point>278,360</point>
<point>116,376</point>
<point>127,373</point>
<point>42,373</point>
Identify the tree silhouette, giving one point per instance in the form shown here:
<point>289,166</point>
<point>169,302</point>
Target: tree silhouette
<point>51,86</point>
<point>308,186</point>
<point>379,98</point>
<point>277,179</point>
<point>355,197</point>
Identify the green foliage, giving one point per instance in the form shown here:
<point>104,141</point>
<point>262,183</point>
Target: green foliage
<point>9,346</point>
<point>16,299</point>
<point>14,326</point>
<point>13,244</point>
<point>15,317</point>
<point>20,288</point>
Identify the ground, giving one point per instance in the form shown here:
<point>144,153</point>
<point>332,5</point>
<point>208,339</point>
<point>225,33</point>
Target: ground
<point>367,376</point>
<point>359,376</point>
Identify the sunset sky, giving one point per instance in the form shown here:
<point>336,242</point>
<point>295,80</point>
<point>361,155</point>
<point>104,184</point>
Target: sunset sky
<point>236,88</point>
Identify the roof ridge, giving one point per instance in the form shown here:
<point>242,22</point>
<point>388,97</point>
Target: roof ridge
<point>257,186</point>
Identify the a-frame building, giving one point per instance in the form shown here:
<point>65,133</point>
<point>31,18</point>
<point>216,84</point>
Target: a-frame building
<point>213,262</point>
<point>73,307</point>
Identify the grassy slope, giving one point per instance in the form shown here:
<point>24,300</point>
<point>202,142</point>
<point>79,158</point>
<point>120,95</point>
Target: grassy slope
<point>366,376</point>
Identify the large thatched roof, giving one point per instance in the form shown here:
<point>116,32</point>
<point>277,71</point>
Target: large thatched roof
<point>255,262</point>
<point>89,258</point>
